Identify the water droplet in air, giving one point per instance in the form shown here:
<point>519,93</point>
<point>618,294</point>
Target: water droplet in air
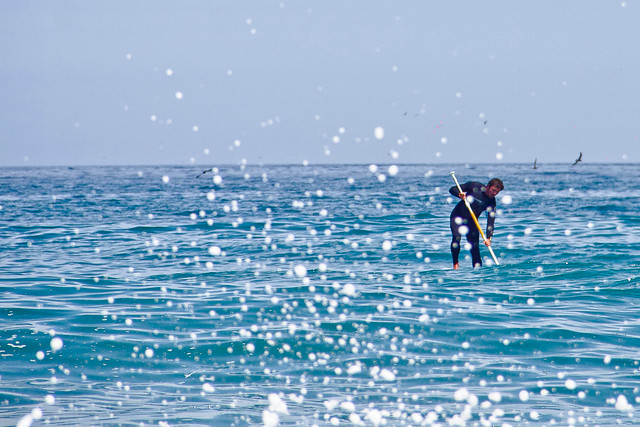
<point>348,290</point>
<point>56,344</point>
<point>495,396</point>
<point>622,404</point>
<point>300,270</point>
<point>387,375</point>
<point>461,395</point>
<point>276,404</point>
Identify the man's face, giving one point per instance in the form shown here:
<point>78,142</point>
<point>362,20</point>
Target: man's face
<point>492,191</point>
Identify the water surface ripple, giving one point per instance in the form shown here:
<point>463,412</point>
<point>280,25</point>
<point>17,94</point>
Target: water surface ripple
<point>317,295</point>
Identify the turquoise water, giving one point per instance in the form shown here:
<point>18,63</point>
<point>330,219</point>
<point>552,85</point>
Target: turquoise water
<point>302,295</point>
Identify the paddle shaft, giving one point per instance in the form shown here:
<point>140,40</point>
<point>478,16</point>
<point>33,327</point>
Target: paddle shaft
<point>473,216</point>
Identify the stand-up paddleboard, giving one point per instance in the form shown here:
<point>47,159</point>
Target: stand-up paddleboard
<point>453,175</point>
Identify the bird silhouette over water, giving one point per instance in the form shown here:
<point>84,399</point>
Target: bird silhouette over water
<point>203,172</point>
<point>579,159</point>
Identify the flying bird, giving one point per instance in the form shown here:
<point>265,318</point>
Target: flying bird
<point>579,159</point>
<point>203,172</point>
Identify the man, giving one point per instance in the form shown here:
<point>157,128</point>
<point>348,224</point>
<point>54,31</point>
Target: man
<point>480,197</point>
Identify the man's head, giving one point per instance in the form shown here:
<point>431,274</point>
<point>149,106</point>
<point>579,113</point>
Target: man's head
<point>494,187</point>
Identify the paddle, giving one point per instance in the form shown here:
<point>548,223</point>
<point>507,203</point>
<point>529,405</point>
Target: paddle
<point>453,175</point>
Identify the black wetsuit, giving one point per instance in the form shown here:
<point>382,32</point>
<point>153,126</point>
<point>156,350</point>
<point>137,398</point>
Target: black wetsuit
<point>481,202</point>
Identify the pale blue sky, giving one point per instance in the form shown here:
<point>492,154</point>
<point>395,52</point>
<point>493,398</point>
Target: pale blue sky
<point>98,82</point>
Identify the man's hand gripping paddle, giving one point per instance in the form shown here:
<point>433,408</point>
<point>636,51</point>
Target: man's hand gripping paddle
<point>453,175</point>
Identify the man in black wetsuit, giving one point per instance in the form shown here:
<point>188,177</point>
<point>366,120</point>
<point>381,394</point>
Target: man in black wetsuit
<point>481,197</point>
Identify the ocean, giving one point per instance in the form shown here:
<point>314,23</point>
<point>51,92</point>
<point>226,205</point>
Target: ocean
<point>317,295</point>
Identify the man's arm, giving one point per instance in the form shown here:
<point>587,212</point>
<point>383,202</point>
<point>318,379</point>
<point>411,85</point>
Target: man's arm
<point>491,218</point>
<point>456,193</point>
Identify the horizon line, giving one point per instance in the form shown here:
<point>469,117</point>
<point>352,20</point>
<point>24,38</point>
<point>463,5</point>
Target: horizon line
<point>199,165</point>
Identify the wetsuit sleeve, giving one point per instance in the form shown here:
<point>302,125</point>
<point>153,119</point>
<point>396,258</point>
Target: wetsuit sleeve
<point>454,190</point>
<point>491,218</point>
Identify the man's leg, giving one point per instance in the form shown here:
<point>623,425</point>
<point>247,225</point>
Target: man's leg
<point>474,241</point>
<point>455,243</point>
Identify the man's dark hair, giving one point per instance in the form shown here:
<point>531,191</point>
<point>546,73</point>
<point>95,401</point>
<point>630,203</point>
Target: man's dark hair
<point>497,182</point>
